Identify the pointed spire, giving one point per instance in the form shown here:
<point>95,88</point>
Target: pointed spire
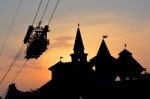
<point>125,46</point>
<point>78,46</point>
<point>103,50</point>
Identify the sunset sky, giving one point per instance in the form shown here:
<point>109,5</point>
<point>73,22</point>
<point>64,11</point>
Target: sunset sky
<point>124,21</point>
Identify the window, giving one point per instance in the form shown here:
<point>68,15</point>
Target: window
<point>117,78</point>
<point>94,68</point>
<point>79,60</point>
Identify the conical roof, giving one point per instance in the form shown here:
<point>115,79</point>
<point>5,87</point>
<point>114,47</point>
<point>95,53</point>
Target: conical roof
<point>125,52</point>
<point>78,46</point>
<point>103,53</point>
<point>128,64</point>
<point>103,50</point>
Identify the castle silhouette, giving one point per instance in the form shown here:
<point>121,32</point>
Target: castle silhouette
<point>93,79</point>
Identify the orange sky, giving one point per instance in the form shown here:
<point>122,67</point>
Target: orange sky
<point>123,21</point>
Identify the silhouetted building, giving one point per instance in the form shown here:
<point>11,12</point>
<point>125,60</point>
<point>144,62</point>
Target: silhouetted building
<point>71,80</point>
<point>78,80</point>
<point>104,66</point>
<point>128,67</point>
<point>78,55</point>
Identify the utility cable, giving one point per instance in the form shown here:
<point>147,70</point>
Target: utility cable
<point>19,71</point>
<point>10,28</point>
<point>37,12</point>
<point>45,9</point>
<point>11,65</point>
<point>53,12</point>
<point>17,74</point>
<point>4,93</point>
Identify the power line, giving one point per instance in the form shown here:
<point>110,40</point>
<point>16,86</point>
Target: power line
<point>15,58</point>
<point>37,12</point>
<point>53,12</point>
<point>4,93</point>
<point>15,77</point>
<point>48,1</point>
<point>19,71</point>
<point>11,65</point>
<point>10,28</point>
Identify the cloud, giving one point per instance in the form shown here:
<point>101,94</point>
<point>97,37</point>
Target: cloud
<point>36,67</point>
<point>64,38</point>
<point>62,42</point>
<point>35,64</point>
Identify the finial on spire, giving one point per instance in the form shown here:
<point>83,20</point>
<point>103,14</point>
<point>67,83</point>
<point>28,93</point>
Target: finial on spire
<point>105,36</point>
<point>61,58</point>
<point>125,45</point>
<point>78,25</point>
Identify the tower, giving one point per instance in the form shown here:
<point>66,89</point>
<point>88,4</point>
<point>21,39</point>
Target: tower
<point>104,66</point>
<point>127,66</point>
<point>78,55</point>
